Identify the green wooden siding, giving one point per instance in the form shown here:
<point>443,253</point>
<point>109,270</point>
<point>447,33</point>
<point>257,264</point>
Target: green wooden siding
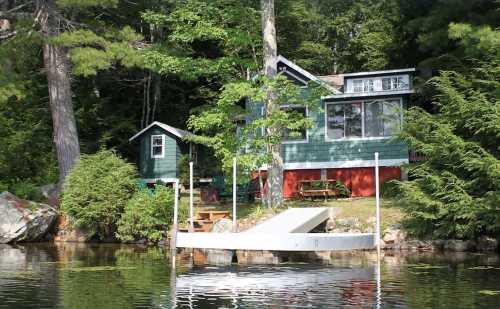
<point>318,149</point>
<point>165,167</point>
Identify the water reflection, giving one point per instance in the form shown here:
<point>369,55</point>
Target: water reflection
<point>114,276</point>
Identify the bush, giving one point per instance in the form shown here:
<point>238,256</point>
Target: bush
<point>26,190</point>
<point>389,189</point>
<point>96,191</point>
<point>147,215</point>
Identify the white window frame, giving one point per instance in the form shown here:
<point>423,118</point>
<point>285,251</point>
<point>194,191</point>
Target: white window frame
<point>354,85</point>
<point>398,85</point>
<point>162,155</point>
<point>363,137</point>
<point>298,141</point>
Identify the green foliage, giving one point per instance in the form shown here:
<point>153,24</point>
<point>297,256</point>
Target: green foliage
<point>455,192</point>
<point>389,189</point>
<point>221,123</point>
<point>26,190</point>
<point>97,190</point>
<point>148,214</point>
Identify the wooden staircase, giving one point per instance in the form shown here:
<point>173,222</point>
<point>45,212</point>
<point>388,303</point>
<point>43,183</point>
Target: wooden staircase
<point>205,220</point>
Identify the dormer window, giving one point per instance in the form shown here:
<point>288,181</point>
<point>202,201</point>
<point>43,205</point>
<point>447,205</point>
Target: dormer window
<point>394,83</point>
<point>157,146</point>
<point>362,85</point>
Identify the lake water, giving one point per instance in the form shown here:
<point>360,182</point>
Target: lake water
<point>118,276</point>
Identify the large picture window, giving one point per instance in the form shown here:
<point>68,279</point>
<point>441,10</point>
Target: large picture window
<point>366,119</point>
<point>299,135</point>
<point>344,120</point>
<point>382,118</point>
<point>157,146</point>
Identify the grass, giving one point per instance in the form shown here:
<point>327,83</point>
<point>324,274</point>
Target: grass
<point>361,208</point>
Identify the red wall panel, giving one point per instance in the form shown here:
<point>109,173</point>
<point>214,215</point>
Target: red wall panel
<point>291,180</point>
<point>360,180</point>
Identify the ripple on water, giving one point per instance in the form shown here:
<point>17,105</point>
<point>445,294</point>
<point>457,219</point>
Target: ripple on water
<point>109,276</point>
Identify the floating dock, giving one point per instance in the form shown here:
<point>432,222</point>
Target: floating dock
<point>287,231</point>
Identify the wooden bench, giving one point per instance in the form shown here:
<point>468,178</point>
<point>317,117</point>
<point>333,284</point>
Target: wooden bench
<point>317,188</point>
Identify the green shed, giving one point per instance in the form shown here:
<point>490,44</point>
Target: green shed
<point>161,148</point>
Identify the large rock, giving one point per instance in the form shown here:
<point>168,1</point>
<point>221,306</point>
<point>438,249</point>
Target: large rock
<point>394,236</point>
<point>222,226</point>
<point>22,220</point>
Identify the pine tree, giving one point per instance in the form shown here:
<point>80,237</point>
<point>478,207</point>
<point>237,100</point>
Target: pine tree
<point>455,192</point>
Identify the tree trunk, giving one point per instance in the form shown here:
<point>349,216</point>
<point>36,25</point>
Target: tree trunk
<point>58,78</point>
<point>275,170</point>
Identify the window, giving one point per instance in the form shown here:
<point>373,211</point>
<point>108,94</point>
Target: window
<point>367,119</point>
<point>357,85</point>
<point>298,135</point>
<point>393,83</point>
<point>344,120</point>
<point>157,146</point>
<point>368,85</point>
<point>382,118</point>
<point>362,85</point>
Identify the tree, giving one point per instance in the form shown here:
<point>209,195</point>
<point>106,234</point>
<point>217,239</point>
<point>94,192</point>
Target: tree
<point>65,27</point>
<point>455,192</point>
<point>275,170</point>
<point>57,70</point>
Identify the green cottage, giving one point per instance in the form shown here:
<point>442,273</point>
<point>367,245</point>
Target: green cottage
<point>161,148</point>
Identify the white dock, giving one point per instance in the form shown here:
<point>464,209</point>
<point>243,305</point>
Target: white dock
<point>277,242</point>
<point>293,220</point>
<point>284,232</point>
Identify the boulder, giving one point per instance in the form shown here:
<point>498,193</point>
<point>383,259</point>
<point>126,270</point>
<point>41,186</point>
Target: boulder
<point>23,220</point>
<point>394,236</point>
<point>456,245</point>
<point>486,244</point>
<point>222,226</point>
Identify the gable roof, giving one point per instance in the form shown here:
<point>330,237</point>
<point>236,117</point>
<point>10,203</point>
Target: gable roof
<point>304,73</point>
<point>175,131</point>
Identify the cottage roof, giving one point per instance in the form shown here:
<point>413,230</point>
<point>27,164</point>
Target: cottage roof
<point>305,73</point>
<point>175,131</point>
<point>336,81</point>
<point>384,72</point>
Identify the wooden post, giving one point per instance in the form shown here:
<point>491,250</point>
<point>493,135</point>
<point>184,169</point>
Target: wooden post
<point>235,227</point>
<point>377,204</point>
<point>176,214</point>
<point>191,214</point>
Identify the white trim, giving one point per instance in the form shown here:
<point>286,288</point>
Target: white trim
<point>162,155</point>
<point>379,72</point>
<point>155,180</point>
<point>362,138</point>
<point>175,131</point>
<point>305,73</point>
<point>361,95</point>
<point>340,164</point>
<point>294,76</point>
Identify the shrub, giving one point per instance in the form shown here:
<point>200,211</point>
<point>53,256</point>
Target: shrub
<point>389,189</point>
<point>147,215</point>
<point>96,191</point>
<point>26,190</point>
